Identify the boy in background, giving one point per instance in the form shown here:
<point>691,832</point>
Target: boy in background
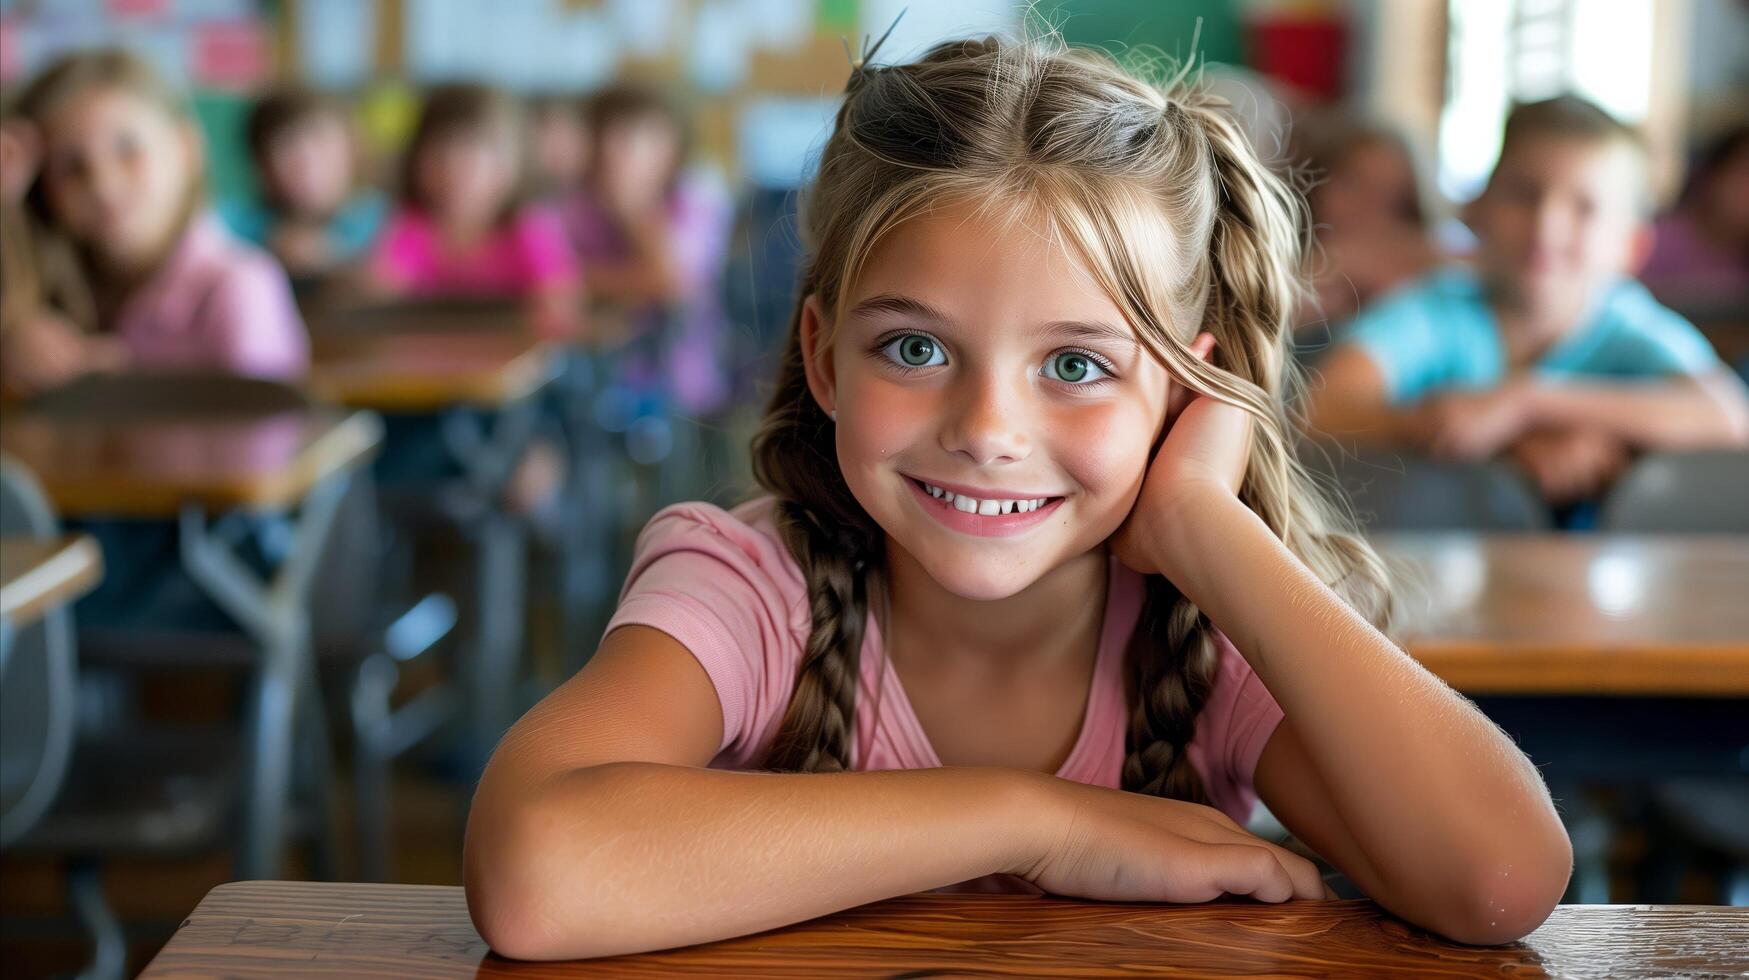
<point>1546,351</point>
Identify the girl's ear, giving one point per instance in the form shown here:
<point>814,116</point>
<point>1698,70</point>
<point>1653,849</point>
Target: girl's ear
<point>817,355</point>
<point>1203,346</point>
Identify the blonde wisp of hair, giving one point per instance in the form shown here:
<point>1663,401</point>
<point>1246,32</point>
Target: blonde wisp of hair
<point>1155,188</point>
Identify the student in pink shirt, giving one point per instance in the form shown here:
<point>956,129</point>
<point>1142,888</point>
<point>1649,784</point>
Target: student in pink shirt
<point>146,279</point>
<point>1035,548</point>
<point>464,227</point>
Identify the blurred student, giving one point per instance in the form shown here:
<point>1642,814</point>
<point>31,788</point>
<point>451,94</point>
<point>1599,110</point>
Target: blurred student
<point>146,278</point>
<point>559,133</point>
<point>1369,212</point>
<point>314,213</point>
<point>655,238</point>
<point>1700,254</point>
<point>464,227</point>
<point>1547,351</point>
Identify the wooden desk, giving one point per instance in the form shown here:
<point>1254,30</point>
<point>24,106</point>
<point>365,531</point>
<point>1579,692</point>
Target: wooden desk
<point>429,372</point>
<point>117,466</point>
<point>38,574</point>
<point>259,928</point>
<point>1579,614</point>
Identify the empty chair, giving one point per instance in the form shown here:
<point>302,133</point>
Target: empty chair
<point>1682,493</point>
<point>1400,491</point>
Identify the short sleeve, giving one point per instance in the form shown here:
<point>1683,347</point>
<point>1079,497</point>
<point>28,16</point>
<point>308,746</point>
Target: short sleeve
<point>545,248</point>
<point>251,322</point>
<point>1400,336</point>
<point>1652,339</point>
<point>1235,724</point>
<point>717,587</point>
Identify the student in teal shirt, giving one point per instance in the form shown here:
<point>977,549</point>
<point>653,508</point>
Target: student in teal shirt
<point>1546,352</point>
<point>313,214</point>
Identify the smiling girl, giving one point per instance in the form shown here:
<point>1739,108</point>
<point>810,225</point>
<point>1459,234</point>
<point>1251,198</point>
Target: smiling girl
<point>152,281</point>
<point>1037,599</point>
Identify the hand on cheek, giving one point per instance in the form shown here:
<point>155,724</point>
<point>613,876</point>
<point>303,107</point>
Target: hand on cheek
<point>1204,456</point>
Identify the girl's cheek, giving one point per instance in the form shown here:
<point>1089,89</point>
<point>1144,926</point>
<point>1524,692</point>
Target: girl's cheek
<point>877,419</point>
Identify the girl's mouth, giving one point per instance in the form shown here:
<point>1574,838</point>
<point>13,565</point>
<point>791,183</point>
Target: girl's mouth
<point>982,517</point>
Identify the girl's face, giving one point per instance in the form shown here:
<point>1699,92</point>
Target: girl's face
<point>309,164</point>
<point>977,359</point>
<point>636,160</point>
<point>467,175</point>
<point>118,171</point>
<point>1372,186</point>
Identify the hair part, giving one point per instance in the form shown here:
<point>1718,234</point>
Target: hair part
<point>1159,193</point>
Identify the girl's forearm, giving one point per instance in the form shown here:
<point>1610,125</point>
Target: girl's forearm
<point>1434,793</point>
<point>631,857</point>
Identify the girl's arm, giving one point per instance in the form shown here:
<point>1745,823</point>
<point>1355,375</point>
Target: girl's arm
<point>1380,766</point>
<point>595,831</point>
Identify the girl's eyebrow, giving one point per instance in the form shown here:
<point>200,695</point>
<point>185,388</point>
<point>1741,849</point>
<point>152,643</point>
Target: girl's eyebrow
<point>1087,330</point>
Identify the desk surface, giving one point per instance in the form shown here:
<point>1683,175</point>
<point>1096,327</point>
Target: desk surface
<point>38,574</point>
<point>1578,613</point>
<point>256,928</point>
<point>149,467</point>
<point>426,372</point>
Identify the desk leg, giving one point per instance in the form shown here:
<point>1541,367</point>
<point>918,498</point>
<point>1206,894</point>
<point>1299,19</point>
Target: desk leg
<point>276,616</point>
<point>495,657</point>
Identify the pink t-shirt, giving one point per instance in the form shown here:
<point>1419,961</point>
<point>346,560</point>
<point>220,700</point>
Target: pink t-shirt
<point>528,253</point>
<point>217,303</point>
<point>725,586</point>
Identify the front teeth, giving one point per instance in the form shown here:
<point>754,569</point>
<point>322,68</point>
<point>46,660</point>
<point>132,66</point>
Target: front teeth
<point>984,508</point>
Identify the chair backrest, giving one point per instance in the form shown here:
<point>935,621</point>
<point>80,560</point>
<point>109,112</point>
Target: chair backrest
<point>170,394</point>
<point>1400,491</point>
<point>1677,493</point>
<point>38,682</point>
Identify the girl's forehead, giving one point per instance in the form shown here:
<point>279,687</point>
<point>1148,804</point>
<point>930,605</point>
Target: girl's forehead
<point>976,262</point>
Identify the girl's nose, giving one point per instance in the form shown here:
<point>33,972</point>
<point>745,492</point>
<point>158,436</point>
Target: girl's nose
<point>986,424</point>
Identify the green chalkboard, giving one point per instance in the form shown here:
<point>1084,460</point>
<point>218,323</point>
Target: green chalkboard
<point>1166,25</point>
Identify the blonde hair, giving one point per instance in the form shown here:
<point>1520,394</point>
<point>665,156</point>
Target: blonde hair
<point>65,270</point>
<point>1158,191</point>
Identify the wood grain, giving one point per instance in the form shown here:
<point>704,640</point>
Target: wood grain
<point>1662,615</point>
<point>38,574</point>
<point>150,467</point>
<point>427,372</point>
<point>251,929</point>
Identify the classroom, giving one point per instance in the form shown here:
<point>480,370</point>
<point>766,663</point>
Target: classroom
<point>874,488</point>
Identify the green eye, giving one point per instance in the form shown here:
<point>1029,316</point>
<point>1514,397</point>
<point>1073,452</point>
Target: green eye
<point>1073,368</point>
<point>915,350</point>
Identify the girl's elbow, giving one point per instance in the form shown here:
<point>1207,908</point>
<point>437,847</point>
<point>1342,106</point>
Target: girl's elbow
<point>1505,900</point>
<point>512,895</point>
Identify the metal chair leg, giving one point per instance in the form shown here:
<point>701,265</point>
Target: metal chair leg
<point>109,945</point>
<point>372,685</point>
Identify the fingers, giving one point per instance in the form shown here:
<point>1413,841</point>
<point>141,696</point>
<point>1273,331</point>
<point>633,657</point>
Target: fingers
<point>1241,869</point>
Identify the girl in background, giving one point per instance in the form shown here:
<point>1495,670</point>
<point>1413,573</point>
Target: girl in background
<point>315,213</point>
<point>149,279</point>
<point>464,227</point>
<point>1036,545</point>
<point>654,238</point>
<point>559,132</point>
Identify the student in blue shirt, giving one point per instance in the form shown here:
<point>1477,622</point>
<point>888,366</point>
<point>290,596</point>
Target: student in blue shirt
<point>314,214</point>
<point>1546,351</point>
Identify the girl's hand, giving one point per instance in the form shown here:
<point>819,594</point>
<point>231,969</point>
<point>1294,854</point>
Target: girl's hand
<point>1205,451</point>
<point>42,353</point>
<point>1114,846</point>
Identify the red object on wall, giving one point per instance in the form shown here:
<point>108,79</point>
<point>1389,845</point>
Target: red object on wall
<point>137,8</point>
<point>1306,51</point>
<point>230,54</point>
